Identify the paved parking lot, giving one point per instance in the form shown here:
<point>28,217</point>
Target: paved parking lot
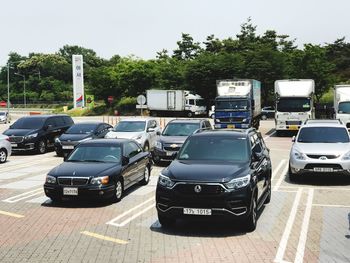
<point>308,221</point>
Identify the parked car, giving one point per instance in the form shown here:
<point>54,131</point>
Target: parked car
<point>78,133</point>
<point>5,117</point>
<point>142,130</point>
<point>321,146</point>
<point>37,133</point>
<point>5,148</point>
<point>224,173</point>
<point>99,168</point>
<point>174,135</point>
<point>267,113</point>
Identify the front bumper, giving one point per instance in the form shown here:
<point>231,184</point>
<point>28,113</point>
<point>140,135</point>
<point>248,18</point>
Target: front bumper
<point>232,125</point>
<point>23,146</point>
<point>161,154</point>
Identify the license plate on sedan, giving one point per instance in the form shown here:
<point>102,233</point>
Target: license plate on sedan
<point>70,191</point>
<point>67,147</point>
<point>323,169</point>
<point>293,127</point>
<point>197,211</point>
<point>14,144</point>
<point>231,126</point>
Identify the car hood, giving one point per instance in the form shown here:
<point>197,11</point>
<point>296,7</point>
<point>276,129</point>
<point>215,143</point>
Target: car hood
<point>126,135</point>
<point>74,137</point>
<point>323,148</point>
<point>85,169</point>
<point>18,132</point>
<point>173,139</point>
<point>201,171</point>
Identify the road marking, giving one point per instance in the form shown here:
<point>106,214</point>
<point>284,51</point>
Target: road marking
<point>279,182</point>
<point>304,229</point>
<point>278,168</point>
<point>10,214</point>
<point>339,206</point>
<point>317,188</point>
<point>111,239</point>
<point>268,136</point>
<point>23,196</point>
<point>26,183</point>
<point>39,200</point>
<point>113,221</point>
<point>287,230</point>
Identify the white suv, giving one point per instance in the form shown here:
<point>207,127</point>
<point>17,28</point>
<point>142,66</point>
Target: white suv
<point>5,148</point>
<point>142,130</point>
<point>321,146</point>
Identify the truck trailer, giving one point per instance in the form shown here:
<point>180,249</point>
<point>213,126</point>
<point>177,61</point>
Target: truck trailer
<point>175,103</point>
<point>238,103</point>
<point>294,103</point>
<point>342,103</point>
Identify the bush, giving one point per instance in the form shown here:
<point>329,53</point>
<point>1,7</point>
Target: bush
<point>126,105</point>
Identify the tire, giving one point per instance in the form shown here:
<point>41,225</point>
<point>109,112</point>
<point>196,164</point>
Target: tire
<point>153,113</point>
<point>279,133</point>
<point>118,192</point>
<point>292,176</point>
<point>146,176</point>
<point>252,218</point>
<point>269,193</point>
<point>212,116</point>
<point>263,117</point>
<point>146,147</point>
<point>189,114</point>
<point>59,154</point>
<point>41,147</point>
<point>3,155</point>
<point>166,221</point>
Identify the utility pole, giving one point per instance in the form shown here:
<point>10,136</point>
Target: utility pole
<point>8,87</point>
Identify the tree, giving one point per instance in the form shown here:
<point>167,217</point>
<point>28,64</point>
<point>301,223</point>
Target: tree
<point>187,49</point>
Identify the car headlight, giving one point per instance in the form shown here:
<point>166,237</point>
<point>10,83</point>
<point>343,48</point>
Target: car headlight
<point>138,137</point>
<point>158,145</point>
<point>30,136</point>
<point>100,180</point>
<point>238,182</point>
<point>165,181</point>
<point>50,179</point>
<point>86,139</point>
<point>298,155</point>
<point>346,157</point>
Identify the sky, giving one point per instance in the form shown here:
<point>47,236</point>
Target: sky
<point>143,27</point>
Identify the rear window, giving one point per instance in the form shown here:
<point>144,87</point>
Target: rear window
<point>323,135</point>
<point>28,123</point>
<point>180,129</point>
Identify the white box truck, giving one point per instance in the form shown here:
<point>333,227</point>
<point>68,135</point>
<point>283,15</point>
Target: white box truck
<point>175,103</point>
<point>294,103</point>
<point>342,103</point>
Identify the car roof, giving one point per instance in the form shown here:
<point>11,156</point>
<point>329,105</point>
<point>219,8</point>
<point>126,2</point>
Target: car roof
<point>186,120</point>
<point>137,119</point>
<point>106,141</point>
<point>89,123</point>
<point>323,123</point>
<point>225,132</point>
<point>43,116</point>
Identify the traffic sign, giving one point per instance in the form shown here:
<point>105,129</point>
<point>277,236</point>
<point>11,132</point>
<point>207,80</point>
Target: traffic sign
<point>141,100</point>
<point>3,104</point>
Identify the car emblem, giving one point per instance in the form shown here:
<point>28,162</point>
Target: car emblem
<point>197,188</point>
<point>323,158</point>
<point>174,145</point>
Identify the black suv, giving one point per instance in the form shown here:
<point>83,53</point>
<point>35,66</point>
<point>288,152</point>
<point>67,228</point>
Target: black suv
<point>174,135</point>
<point>224,173</point>
<point>37,132</point>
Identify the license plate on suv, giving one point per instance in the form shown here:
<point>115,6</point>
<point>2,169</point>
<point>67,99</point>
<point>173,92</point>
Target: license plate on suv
<point>197,211</point>
<point>323,169</point>
<point>70,191</point>
<point>67,147</point>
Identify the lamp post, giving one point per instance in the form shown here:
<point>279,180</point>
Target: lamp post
<point>8,87</point>
<point>24,89</point>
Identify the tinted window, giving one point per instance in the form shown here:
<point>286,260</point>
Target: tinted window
<point>231,104</point>
<point>68,120</point>
<point>191,102</point>
<point>215,148</point>
<point>344,107</point>
<point>60,121</point>
<point>96,154</point>
<point>323,135</point>
<point>81,128</point>
<point>200,102</point>
<point>130,126</point>
<point>180,129</point>
<point>2,113</point>
<point>131,149</point>
<point>29,123</point>
<point>291,105</point>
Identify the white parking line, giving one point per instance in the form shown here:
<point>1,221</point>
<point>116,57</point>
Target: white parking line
<point>26,183</point>
<point>279,182</point>
<point>268,136</point>
<point>326,205</point>
<point>26,195</point>
<point>299,258</point>
<point>114,220</point>
<point>287,230</point>
<point>278,168</point>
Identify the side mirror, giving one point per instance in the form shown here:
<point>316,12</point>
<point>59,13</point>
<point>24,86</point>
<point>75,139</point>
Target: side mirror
<point>158,133</point>
<point>65,157</point>
<point>293,138</point>
<point>174,155</point>
<point>256,156</point>
<point>125,160</point>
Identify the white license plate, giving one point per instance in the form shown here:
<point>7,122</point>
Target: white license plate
<point>67,147</point>
<point>14,145</point>
<point>169,153</point>
<point>197,211</point>
<point>323,169</point>
<point>70,191</point>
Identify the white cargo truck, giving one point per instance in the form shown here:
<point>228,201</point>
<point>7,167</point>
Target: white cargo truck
<point>175,103</point>
<point>294,103</point>
<point>342,103</point>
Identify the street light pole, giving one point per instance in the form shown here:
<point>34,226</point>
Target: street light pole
<point>8,87</point>
<point>24,89</point>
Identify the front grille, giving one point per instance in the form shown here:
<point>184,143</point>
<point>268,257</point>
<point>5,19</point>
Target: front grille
<point>317,156</point>
<point>16,139</point>
<point>293,122</point>
<point>168,147</point>
<point>231,119</point>
<point>76,181</point>
<point>205,189</point>
<point>324,165</point>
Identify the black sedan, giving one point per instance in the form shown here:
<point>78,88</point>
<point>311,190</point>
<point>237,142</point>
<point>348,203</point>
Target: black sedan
<point>216,174</point>
<point>78,133</point>
<point>102,168</point>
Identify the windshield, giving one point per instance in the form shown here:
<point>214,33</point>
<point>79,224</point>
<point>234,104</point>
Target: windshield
<point>180,129</point>
<point>294,104</point>
<point>200,102</point>
<point>2,113</point>
<point>215,149</point>
<point>344,107</point>
<point>110,154</point>
<point>231,104</point>
<point>130,126</point>
<point>323,135</point>
<point>81,128</point>
<point>28,123</point>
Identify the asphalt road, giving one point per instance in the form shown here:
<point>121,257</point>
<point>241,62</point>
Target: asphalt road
<point>308,221</point>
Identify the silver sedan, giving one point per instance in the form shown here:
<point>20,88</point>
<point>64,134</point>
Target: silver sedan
<point>5,148</point>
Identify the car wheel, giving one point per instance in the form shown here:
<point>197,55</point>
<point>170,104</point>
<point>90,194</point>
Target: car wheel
<point>269,192</point>
<point>279,133</point>
<point>41,147</point>
<point>146,147</point>
<point>252,218</point>
<point>59,154</point>
<point>3,155</point>
<point>292,176</point>
<point>212,116</point>
<point>189,114</point>
<point>263,117</point>
<point>166,221</point>
<point>118,192</point>
<point>146,176</point>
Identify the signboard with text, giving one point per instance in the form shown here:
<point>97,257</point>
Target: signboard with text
<point>78,81</point>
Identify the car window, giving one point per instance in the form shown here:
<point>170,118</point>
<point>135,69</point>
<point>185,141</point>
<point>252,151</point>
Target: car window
<point>68,120</point>
<point>180,129</point>
<point>191,101</point>
<point>101,153</point>
<point>131,149</point>
<point>130,126</point>
<point>323,135</point>
<point>51,122</point>
<point>60,121</point>
<point>28,123</point>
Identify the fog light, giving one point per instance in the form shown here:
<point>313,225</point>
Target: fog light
<point>296,169</point>
<point>101,193</point>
